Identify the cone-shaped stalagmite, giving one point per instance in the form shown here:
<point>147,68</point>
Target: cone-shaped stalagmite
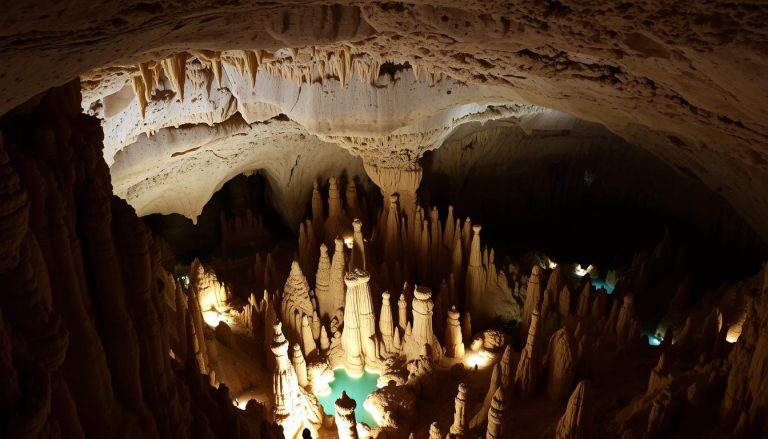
<point>562,364</point>
<point>496,419</point>
<point>386,322</point>
<point>532,295</point>
<point>528,365</point>
<point>475,275</point>
<point>576,422</point>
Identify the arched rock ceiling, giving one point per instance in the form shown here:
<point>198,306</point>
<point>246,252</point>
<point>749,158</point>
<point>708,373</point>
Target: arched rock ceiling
<point>684,80</point>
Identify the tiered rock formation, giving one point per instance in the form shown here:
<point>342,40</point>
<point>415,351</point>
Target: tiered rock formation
<point>359,323</point>
<point>497,416</point>
<point>421,336</point>
<point>454,344</point>
<point>459,427</point>
<point>346,424</point>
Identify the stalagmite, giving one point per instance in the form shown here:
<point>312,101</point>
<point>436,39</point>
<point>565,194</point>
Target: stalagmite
<point>434,431</point>
<point>402,312</point>
<point>475,275</point>
<point>449,231</point>
<point>357,261</point>
<point>318,212</point>
<point>359,323</point>
<point>335,223</point>
<point>300,366</point>
<point>576,422</point>
<point>496,416</point>
<point>562,364</point>
<point>660,376</point>
<point>285,384</point>
<point>308,345</point>
<point>466,327</point>
<point>532,295</point>
<point>454,345</point>
<point>564,302</point>
<point>422,334</point>
<point>528,365</point>
<point>392,232</point>
<point>459,427</point>
<point>345,417</point>
<point>582,307</point>
<point>626,318</point>
<point>386,322</point>
<point>336,287</point>
<point>324,342</point>
<point>296,302</point>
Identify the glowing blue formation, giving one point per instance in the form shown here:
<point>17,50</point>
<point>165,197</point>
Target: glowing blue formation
<point>356,388</point>
<point>601,283</point>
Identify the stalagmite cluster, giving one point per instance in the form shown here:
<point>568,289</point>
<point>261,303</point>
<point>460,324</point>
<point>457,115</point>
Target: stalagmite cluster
<point>323,278</point>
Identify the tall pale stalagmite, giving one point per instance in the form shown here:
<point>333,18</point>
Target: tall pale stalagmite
<point>359,323</point>
<point>475,279</point>
<point>459,426</point>
<point>325,303</point>
<point>285,383</point>
<point>576,422</point>
<point>422,333</point>
<point>402,312</point>
<point>334,224</point>
<point>454,345</point>
<point>300,366</point>
<point>336,278</point>
<point>386,322</point>
<point>346,424</point>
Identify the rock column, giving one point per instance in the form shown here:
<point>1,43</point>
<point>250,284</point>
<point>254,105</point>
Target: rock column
<point>359,323</point>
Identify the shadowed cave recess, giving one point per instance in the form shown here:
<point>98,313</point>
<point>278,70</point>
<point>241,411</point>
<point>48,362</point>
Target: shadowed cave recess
<point>383,220</point>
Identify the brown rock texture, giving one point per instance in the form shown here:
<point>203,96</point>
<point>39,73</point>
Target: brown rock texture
<point>72,251</point>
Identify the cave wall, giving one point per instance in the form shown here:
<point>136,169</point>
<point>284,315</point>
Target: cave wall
<point>578,189</point>
<point>84,344</point>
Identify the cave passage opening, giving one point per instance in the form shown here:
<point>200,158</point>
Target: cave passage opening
<point>357,388</point>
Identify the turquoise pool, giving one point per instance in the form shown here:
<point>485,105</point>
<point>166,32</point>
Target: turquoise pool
<point>356,388</point>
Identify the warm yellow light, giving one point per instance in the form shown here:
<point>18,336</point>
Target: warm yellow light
<point>213,318</point>
<point>581,272</point>
<point>348,241</point>
<point>478,359</point>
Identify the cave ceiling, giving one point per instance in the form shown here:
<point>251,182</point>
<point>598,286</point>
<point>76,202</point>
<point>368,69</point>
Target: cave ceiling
<point>193,93</point>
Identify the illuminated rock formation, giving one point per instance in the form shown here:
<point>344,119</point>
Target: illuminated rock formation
<point>336,286</point>
<point>561,358</point>
<point>358,338</point>
<point>459,427</point>
<point>300,366</point>
<point>402,312</point>
<point>296,303</point>
<point>210,293</point>
<point>386,323</point>
<point>434,431</point>
<point>285,384</point>
<point>454,345</point>
<point>421,335</point>
<point>346,424</point>
<point>496,416</point>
